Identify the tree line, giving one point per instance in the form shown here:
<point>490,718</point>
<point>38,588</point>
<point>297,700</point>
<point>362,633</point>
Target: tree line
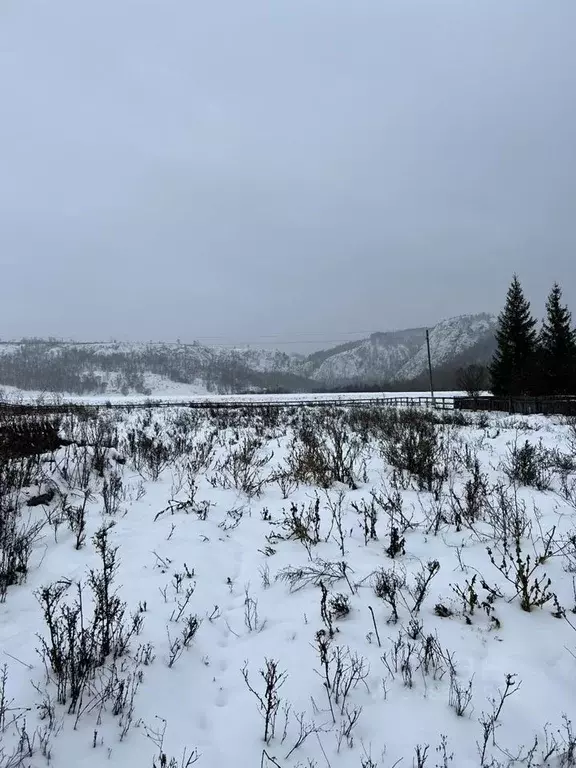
<point>61,367</point>
<point>529,361</point>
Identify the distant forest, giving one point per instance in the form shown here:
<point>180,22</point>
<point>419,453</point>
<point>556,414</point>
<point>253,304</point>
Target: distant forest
<point>54,367</point>
<point>58,367</point>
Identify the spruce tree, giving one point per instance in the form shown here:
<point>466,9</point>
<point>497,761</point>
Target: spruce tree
<point>558,347</point>
<point>513,365</point>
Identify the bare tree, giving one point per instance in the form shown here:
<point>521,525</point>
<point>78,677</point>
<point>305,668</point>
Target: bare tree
<point>472,379</point>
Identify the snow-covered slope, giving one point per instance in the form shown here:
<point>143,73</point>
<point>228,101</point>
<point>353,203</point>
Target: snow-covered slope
<point>148,368</point>
<point>403,354</point>
<point>378,357</point>
<point>449,340</point>
<point>156,368</point>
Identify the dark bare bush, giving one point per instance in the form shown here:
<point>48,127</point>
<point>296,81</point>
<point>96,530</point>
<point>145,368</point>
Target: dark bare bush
<point>21,466</point>
<point>368,513</point>
<point>469,506</point>
<point>252,619</point>
<point>401,659</point>
<point>78,644</point>
<point>286,482</point>
<point>490,720</point>
<point>568,488</point>
<point>76,518</point>
<point>435,510</point>
<point>420,755</point>
<point>569,552</point>
<point>471,600</point>
<point>455,419</point>
<point>109,610</point>
<point>433,660</point>
<point>187,505</point>
<point>417,652</point>
<point>101,431</point>
<point>507,516</point>
<point>177,645</point>
<point>24,749</point>
<point>325,451</point>
<point>571,424</point>
<point>345,733</point>
<point>311,575</point>
<point>161,760</point>
<point>465,455</point>
<point>391,502</point>
<point>343,451</point>
<point>397,546</point>
<point>421,587</point>
<point>200,454</point>
<point>568,745</point>
<point>388,586</point>
<point>149,453</point>
<point>302,523</point>
<point>460,697</point>
<point>242,468</point>
<point>113,492</point>
<point>70,652</point>
<point>413,448</point>
<point>23,436</point>
<point>305,729</point>
<point>339,605</point>
<point>17,540</point>
<point>528,465</point>
<point>521,570</point>
<point>335,504</point>
<point>182,426</point>
<point>101,435</point>
<point>306,460</point>
<point>368,422</point>
<point>17,474</point>
<point>333,608</point>
<point>10,715</point>
<point>269,700</point>
<point>341,671</point>
<point>76,466</point>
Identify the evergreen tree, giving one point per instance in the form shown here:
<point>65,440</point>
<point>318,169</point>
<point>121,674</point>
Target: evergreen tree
<point>558,347</point>
<point>513,365</point>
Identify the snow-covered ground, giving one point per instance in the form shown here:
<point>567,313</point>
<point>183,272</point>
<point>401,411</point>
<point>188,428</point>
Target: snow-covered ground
<point>378,692</point>
<point>184,392</point>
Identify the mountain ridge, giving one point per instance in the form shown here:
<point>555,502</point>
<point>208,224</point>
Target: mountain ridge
<point>385,356</point>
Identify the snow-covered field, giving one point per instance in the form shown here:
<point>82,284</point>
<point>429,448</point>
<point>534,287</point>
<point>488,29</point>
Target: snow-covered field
<point>184,392</point>
<point>377,621</point>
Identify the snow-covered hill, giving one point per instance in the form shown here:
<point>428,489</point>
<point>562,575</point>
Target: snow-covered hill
<point>147,368</point>
<point>402,355</point>
<point>449,340</point>
<point>378,357</point>
<point>156,368</point>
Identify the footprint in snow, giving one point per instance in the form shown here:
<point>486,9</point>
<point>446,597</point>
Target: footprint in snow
<point>221,698</point>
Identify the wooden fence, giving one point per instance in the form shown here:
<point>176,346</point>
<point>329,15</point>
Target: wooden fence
<point>524,406</point>
<point>521,405</point>
<point>254,403</point>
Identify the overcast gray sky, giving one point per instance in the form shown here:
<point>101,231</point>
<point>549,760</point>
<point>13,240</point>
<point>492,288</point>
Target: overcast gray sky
<point>306,168</point>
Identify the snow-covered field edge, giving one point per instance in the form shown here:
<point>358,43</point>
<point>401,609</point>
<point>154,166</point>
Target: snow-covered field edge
<point>403,607</point>
<point>10,394</point>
